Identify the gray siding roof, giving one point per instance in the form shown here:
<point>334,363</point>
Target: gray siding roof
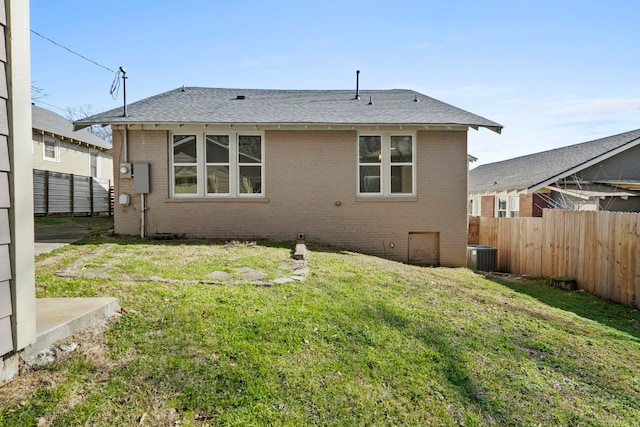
<point>50,122</point>
<point>263,106</point>
<point>527,172</point>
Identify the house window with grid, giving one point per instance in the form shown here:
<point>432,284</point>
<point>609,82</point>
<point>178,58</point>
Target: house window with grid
<point>386,165</point>
<point>502,207</point>
<point>93,164</point>
<point>514,206</point>
<point>51,150</point>
<point>218,165</point>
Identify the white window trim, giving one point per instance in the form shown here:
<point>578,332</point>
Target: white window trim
<point>385,165</point>
<point>56,150</point>
<point>201,165</point>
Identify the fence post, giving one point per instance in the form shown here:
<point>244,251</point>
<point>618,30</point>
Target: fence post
<point>71,186</point>
<point>46,193</point>
<point>91,195</point>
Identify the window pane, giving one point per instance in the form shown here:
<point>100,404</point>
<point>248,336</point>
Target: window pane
<point>250,179</point>
<point>249,149</point>
<point>50,149</point>
<point>217,149</point>
<point>401,149</point>
<point>370,149</point>
<point>369,179</point>
<point>93,159</point>
<point>218,179</point>
<point>401,178</point>
<point>184,148</point>
<point>186,179</point>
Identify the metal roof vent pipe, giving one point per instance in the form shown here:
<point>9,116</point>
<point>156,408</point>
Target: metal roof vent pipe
<point>370,100</point>
<point>357,85</point>
<point>124,89</point>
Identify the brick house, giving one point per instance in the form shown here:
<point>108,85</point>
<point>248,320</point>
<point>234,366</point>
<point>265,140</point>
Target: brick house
<point>596,175</point>
<point>382,172</point>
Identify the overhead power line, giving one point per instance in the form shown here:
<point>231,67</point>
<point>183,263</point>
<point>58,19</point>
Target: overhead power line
<point>75,53</point>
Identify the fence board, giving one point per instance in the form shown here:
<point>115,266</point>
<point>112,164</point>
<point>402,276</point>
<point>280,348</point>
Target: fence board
<point>598,249</point>
<point>635,253</point>
<point>61,193</point>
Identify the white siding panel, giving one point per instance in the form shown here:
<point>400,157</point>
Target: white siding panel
<point>6,336</point>
<point>5,200</point>
<point>5,263</point>
<point>5,299</point>
<point>5,232</point>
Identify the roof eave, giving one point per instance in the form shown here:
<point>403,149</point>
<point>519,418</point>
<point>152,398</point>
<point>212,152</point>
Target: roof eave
<point>535,187</point>
<point>427,126</point>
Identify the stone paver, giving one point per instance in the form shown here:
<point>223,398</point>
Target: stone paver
<point>219,275</point>
<point>254,275</point>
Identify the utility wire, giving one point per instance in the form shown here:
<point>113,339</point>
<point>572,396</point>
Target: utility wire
<point>51,105</point>
<point>75,53</point>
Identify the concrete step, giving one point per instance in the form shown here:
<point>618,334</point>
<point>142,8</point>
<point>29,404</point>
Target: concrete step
<point>59,318</point>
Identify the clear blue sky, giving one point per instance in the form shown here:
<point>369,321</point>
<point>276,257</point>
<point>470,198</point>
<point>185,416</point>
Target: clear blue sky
<point>553,73</point>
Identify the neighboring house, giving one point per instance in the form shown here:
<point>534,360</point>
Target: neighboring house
<point>58,148</point>
<point>17,271</point>
<point>603,174</point>
<point>384,172</point>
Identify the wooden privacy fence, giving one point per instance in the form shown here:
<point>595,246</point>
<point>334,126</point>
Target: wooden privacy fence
<point>597,249</point>
<point>67,194</point>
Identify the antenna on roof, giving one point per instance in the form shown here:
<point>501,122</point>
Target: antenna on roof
<point>124,89</point>
<point>357,85</point>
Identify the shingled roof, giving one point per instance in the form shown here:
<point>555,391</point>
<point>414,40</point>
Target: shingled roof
<point>49,122</point>
<point>535,171</point>
<point>200,105</point>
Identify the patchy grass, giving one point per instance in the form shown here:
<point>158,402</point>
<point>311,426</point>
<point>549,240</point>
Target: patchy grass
<point>363,341</point>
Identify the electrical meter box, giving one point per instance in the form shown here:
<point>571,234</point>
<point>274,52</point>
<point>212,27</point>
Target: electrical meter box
<point>141,178</point>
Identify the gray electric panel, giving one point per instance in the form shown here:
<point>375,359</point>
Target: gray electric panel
<point>141,178</point>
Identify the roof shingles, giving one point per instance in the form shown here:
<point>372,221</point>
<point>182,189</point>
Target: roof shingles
<point>526,172</point>
<point>48,121</point>
<point>265,106</point>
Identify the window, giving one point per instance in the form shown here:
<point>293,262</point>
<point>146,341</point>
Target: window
<point>51,150</point>
<point>502,207</point>
<point>217,165</point>
<point>93,164</point>
<point>386,165</point>
<point>514,206</point>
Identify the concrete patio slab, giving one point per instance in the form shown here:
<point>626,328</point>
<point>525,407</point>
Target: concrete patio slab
<point>59,318</point>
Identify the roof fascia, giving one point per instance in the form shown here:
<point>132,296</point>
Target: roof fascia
<point>578,168</point>
<point>290,126</point>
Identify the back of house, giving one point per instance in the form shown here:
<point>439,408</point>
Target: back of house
<point>381,172</point>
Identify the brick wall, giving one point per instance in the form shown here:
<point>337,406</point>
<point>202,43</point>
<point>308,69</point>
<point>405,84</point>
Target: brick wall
<point>306,174</point>
<point>488,204</point>
<point>531,205</point>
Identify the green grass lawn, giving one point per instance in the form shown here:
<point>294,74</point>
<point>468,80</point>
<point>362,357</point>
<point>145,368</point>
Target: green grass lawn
<point>362,341</point>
